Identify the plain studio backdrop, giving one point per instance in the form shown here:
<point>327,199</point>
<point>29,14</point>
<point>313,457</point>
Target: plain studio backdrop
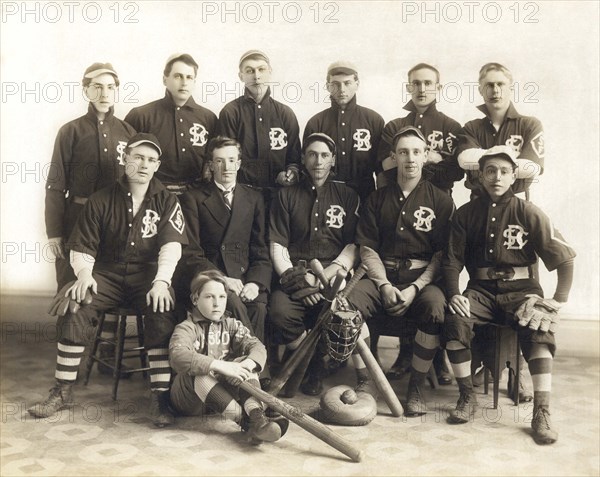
<point>550,47</point>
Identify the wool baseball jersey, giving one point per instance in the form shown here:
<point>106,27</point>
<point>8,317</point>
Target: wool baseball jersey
<point>356,131</point>
<point>269,134</point>
<point>89,154</point>
<point>314,222</point>
<point>183,133</point>
<point>441,133</point>
<point>108,231</point>
<point>523,133</point>
<point>507,232</point>
<point>406,227</point>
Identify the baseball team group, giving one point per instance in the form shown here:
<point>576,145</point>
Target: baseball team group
<point>206,225</point>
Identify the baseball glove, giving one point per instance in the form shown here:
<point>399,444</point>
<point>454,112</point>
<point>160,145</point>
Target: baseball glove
<point>342,405</point>
<point>294,282</point>
<point>538,313</point>
<point>61,303</point>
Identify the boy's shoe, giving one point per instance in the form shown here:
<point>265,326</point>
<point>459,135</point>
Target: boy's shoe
<point>542,427</point>
<point>465,408</point>
<point>60,397</point>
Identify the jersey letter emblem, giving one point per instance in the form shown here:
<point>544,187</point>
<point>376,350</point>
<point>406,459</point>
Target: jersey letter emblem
<point>121,152</point>
<point>150,229</point>
<point>516,142</point>
<point>199,135</point>
<point>425,217</point>
<point>176,219</point>
<point>335,217</point>
<point>515,237</point>
<point>278,138</point>
<point>537,144</point>
<point>362,140</point>
<point>451,142</point>
<point>436,140</point>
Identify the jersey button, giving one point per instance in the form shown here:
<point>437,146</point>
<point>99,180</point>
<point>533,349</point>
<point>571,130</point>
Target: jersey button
<point>183,149</point>
<point>316,228</point>
<point>260,119</point>
<point>493,205</point>
<point>316,215</point>
<point>343,124</point>
<point>259,106</point>
<point>403,213</point>
<point>105,150</point>
<point>419,126</point>
<point>181,134</point>
<point>492,235</point>
<point>101,122</point>
<point>129,210</point>
<point>343,153</point>
<point>401,229</point>
<point>128,194</point>
<point>132,243</point>
<point>343,139</point>
<point>104,134</point>
<point>180,120</point>
<point>420,115</point>
<point>242,269</point>
<point>491,251</point>
<point>493,219</point>
<point>222,247</point>
<point>178,108</point>
<point>130,225</point>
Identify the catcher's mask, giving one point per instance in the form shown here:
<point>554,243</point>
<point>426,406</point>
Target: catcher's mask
<point>341,333</point>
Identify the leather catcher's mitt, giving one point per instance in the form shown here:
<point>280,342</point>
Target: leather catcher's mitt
<point>61,303</point>
<point>342,405</point>
<point>538,314</point>
<point>293,281</point>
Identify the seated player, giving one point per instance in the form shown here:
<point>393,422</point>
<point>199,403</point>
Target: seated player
<point>497,236</point>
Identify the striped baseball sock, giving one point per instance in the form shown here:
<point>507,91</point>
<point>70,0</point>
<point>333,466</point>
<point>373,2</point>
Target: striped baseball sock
<point>460,359</point>
<point>424,351</point>
<point>68,359</point>
<point>160,371</point>
<point>540,363</point>
<point>249,402</point>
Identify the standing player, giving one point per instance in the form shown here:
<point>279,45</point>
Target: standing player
<point>355,129</point>
<point>315,218</point>
<point>267,129</point>
<point>440,131</point>
<point>125,247</point>
<point>226,230</point>
<point>88,155</point>
<point>182,126</point>
<point>502,125</point>
<point>497,236</point>
<point>402,232</point>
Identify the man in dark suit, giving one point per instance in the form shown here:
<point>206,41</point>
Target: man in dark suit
<point>226,230</point>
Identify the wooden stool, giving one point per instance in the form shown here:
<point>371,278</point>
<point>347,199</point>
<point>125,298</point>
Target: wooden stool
<point>121,352</point>
<point>506,354</point>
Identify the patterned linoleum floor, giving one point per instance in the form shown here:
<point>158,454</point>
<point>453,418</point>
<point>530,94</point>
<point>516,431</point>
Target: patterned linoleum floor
<point>102,437</point>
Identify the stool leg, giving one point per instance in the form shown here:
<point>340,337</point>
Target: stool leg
<point>143,354</point>
<point>89,364</point>
<point>486,380</point>
<point>518,374</point>
<point>121,333</point>
<point>497,370</point>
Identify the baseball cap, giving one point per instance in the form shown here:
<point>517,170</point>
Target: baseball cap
<point>250,53</point>
<point>181,56</point>
<point>500,151</point>
<point>407,130</point>
<point>319,137</point>
<point>97,69</point>
<point>342,67</point>
<point>144,138</point>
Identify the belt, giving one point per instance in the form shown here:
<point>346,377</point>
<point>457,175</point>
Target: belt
<point>396,264</point>
<point>79,200</point>
<point>502,273</point>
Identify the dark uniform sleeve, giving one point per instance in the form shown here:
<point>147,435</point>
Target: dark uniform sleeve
<point>293,131</point>
<point>352,217</point>
<point>279,230</point>
<point>446,172</point>
<point>245,344</point>
<point>533,142</point>
<point>134,119</point>
<point>229,120</point>
<point>454,259</point>
<point>549,244</point>
<point>260,269</point>
<point>311,127</point>
<point>445,210</point>
<point>56,183</point>
<point>87,233</point>
<point>467,139</point>
<point>385,144</point>
<point>367,230</point>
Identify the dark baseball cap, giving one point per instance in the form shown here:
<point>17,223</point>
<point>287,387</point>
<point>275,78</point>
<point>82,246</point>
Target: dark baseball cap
<point>407,131</point>
<point>145,138</point>
<point>314,137</point>
<point>503,151</point>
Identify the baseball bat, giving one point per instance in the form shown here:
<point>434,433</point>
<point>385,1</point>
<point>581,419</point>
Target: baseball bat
<point>306,422</point>
<point>317,267</point>
<point>383,385</point>
<point>305,350</point>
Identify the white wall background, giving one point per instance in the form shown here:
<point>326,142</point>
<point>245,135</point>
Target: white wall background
<point>551,48</point>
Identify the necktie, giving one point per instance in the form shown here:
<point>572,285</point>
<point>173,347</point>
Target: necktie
<point>228,197</point>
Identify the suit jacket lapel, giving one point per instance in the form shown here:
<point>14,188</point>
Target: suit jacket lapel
<point>216,206</point>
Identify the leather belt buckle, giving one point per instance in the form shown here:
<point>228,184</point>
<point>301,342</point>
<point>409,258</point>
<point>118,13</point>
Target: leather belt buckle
<point>505,273</point>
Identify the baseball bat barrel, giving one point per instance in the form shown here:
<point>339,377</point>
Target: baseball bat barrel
<point>307,423</point>
<point>383,385</point>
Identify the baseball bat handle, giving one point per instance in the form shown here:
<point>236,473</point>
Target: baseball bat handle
<point>383,385</point>
<point>358,274</point>
<point>317,268</point>
<point>307,423</point>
